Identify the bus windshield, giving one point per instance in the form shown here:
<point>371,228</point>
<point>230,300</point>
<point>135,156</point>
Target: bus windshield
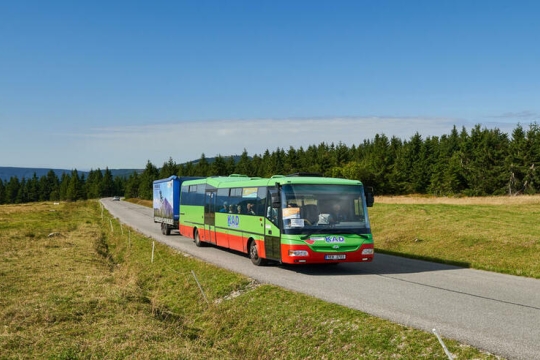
<point>324,208</point>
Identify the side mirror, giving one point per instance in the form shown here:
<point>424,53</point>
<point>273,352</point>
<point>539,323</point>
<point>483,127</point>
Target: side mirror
<point>370,197</point>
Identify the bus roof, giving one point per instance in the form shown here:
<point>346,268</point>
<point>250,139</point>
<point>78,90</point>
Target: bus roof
<point>245,181</point>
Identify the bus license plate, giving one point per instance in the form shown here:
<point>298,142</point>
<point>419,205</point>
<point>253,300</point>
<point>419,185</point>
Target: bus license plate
<point>335,257</point>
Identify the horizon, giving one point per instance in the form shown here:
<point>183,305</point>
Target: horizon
<point>87,88</point>
<point>505,128</point>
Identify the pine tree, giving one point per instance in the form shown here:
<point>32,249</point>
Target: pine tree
<point>257,165</point>
<point>244,165</point>
<point>12,190</point>
<point>63,187</point>
<point>531,181</point>
<point>380,161</point>
<point>516,162</point>
<point>484,158</point>
<point>219,167</point>
<point>50,187</point>
<point>266,169</point>
<point>33,189</point>
<point>342,154</point>
<point>119,184</point>
<point>168,169</point>
<point>189,169</point>
<point>146,181</point>
<point>231,165</point>
<point>22,194</point>
<point>75,187</point>
<point>132,186</point>
<point>291,161</point>
<point>202,168</point>
<point>107,184</point>
<point>2,192</point>
<point>94,184</point>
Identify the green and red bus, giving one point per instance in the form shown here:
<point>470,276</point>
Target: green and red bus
<point>293,219</point>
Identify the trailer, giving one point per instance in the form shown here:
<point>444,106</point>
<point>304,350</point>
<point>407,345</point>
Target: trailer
<point>166,201</point>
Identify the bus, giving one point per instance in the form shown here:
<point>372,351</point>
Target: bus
<point>293,219</point>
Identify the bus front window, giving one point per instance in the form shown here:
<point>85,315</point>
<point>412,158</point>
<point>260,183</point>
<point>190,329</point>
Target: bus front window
<point>324,208</point>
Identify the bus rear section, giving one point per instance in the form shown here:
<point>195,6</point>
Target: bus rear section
<point>166,198</point>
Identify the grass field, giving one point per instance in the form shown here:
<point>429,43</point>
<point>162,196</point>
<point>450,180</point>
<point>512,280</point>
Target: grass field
<point>493,233</point>
<point>77,284</point>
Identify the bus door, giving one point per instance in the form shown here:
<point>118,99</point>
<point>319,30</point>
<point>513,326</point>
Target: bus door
<point>272,234</point>
<point>210,216</point>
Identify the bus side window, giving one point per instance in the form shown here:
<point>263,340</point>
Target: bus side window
<point>271,212</point>
<point>260,205</point>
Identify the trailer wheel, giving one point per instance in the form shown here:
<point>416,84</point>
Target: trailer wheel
<point>165,229</point>
<point>198,241</point>
<point>254,255</point>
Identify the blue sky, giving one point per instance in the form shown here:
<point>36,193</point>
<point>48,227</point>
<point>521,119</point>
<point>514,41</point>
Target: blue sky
<point>98,84</point>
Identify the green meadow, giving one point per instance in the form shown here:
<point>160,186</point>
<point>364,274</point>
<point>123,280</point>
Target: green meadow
<point>77,284</point>
<point>498,234</point>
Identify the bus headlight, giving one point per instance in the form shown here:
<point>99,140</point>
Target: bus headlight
<point>298,253</point>
<point>367,252</point>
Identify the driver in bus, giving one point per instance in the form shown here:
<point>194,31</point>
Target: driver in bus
<point>337,214</point>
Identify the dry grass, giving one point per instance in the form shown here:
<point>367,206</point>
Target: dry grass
<point>496,233</point>
<point>91,292</point>
<point>147,203</point>
<point>487,200</point>
<point>63,296</point>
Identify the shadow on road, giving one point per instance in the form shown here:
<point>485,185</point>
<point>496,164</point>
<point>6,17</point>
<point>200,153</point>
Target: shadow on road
<point>383,264</point>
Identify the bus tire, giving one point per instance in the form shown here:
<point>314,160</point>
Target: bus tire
<point>165,229</point>
<point>254,255</point>
<point>198,241</point>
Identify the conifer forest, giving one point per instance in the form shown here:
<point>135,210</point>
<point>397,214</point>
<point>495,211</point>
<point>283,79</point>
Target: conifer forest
<point>475,162</point>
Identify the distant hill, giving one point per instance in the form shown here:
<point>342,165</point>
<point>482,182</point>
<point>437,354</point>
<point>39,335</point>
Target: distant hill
<point>7,172</point>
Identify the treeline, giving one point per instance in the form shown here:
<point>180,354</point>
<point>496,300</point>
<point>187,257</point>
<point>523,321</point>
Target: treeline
<point>69,187</point>
<point>478,162</point>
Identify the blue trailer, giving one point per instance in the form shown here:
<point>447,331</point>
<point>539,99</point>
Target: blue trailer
<point>166,202</point>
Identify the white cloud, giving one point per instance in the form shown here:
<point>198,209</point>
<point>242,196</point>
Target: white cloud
<point>185,141</point>
<point>528,116</point>
<point>132,146</point>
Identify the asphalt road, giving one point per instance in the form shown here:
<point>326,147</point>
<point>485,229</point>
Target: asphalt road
<point>494,312</point>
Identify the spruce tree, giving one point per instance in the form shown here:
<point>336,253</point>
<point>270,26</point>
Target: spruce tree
<point>219,167</point>
<point>146,181</point>
<point>2,192</point>
<point>132,186</point>
<point>107,184</point>
<point>12,190</point>
<point>244,165</point>
<point>168,169</point>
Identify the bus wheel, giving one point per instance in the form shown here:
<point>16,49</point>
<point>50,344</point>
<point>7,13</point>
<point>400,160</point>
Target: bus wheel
<point>198,241</point>
<point>254,254</point>
<point>165,229</point>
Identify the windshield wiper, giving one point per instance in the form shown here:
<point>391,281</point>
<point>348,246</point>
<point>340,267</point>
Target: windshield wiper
<point>306,235</point>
